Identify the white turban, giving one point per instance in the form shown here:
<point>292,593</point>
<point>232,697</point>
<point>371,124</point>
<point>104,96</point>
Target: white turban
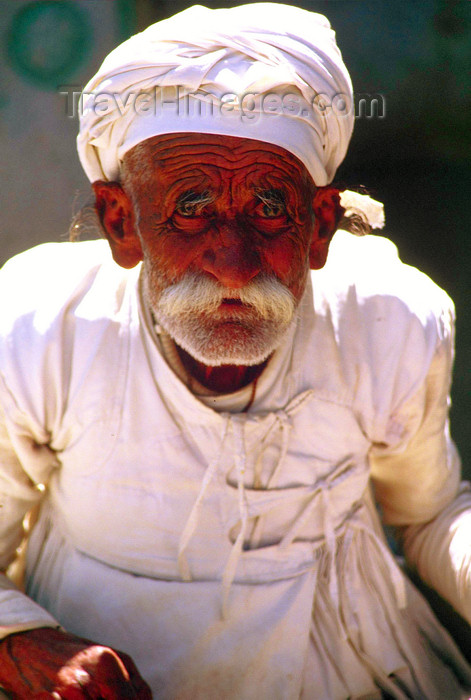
<point>264,71</point>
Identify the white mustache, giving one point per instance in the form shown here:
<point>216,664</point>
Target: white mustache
<point>196,294</point>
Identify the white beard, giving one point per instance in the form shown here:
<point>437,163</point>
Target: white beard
<point>189,312</point>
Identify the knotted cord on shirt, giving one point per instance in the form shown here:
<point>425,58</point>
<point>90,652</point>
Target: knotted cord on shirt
<point>192,521</point>
<point>234,424</point>
<point>237,423</point>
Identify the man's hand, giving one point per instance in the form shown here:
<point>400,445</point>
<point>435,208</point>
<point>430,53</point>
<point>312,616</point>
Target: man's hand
<point>48,663</point>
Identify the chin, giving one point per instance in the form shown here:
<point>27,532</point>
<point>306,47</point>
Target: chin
<point>225,343</point>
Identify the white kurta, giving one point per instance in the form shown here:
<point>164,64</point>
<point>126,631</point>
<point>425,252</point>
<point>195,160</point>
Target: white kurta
<point>234,555</point>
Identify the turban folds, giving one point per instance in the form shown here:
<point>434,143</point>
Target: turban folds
<point>265,71</point>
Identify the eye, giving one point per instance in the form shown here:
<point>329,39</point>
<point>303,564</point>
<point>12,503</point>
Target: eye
<point>192,213</point>
<point>272,210</point>
<point>188,209</point>
<point>269,213</point>
<point>269,203</point>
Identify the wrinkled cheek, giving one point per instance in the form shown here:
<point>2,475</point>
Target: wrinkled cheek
<point>169,260</point>
<point>290,265</point>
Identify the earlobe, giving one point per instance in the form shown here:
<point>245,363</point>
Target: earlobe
<point>116,214</point>
<point>327,212</point>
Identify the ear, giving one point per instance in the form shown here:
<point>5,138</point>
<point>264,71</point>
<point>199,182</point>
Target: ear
<point>116,214</point>
<point>327,212</point>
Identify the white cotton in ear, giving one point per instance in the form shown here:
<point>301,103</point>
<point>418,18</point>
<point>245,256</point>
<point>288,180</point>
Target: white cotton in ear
<point>363,204</point>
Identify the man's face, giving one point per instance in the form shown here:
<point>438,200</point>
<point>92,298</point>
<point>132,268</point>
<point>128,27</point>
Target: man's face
<point>225,226</point>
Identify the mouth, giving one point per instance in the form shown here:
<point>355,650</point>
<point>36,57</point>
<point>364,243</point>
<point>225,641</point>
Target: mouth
<point>234,308</point>
<point>232,302</point>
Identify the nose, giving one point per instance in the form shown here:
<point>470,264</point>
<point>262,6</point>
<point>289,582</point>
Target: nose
<point>231,259</point>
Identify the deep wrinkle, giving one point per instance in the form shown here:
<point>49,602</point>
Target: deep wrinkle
<point>230,175</point>
<point>257,215</point>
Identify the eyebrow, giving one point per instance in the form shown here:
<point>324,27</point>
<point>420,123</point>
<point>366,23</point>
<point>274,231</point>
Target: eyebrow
<point>269,196</point>
<point>196,200</point>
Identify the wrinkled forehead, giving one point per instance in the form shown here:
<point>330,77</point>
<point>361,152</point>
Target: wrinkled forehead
<point>188,156</point>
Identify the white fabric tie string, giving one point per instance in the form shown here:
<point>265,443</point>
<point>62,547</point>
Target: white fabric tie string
<point>238,424</point>
<point>281,421</point>
<point>331,546</point>
<point>192,521</point>
<point>386,683</point>
<point>284,423</point>
<point>322,489</point>
<point>397,578</point>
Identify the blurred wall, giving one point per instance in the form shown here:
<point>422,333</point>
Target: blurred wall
<point>47,48</point>
<point>416,54</point>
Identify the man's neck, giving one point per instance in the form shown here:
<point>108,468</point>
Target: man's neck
<point>224,379</point>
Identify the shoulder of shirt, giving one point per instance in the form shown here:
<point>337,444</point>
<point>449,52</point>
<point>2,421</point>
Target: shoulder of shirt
<point>364,277</point>
<point>385,323</point>
<point>43,282</point>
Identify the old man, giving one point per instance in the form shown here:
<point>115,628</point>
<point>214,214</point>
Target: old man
<point>200,420</point>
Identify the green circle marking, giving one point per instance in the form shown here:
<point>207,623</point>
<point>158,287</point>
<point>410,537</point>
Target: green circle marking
<point>48,40</point>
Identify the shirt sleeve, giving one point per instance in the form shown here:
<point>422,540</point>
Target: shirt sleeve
<point>417,484</point>
<point>440,551</point>
<point>19,613</point>
<point>37,335</point>
<point>19,492</point>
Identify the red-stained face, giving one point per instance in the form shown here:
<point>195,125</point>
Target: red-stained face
<point>220,209</point>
